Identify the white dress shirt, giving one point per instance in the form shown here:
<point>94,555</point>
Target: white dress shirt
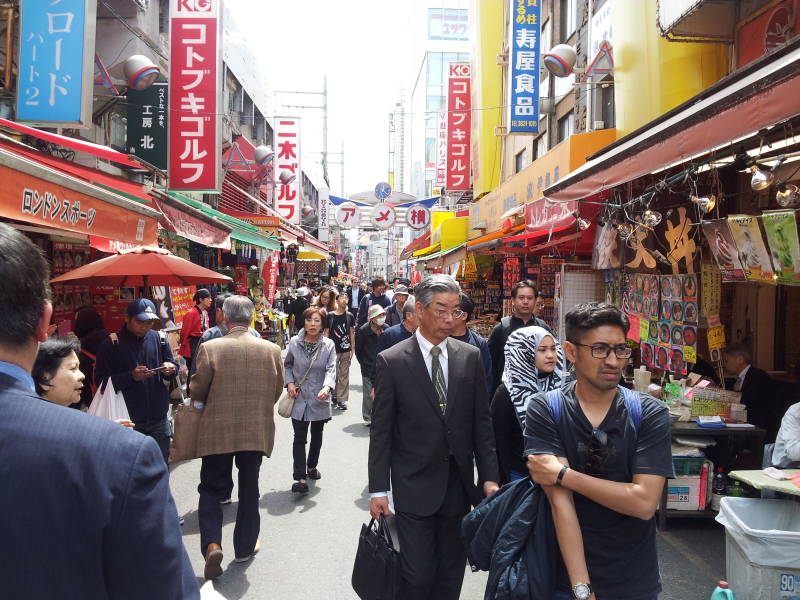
<point>737,387</point>
<point>786,454</point>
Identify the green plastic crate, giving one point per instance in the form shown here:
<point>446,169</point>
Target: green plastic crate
<point>687,465</point>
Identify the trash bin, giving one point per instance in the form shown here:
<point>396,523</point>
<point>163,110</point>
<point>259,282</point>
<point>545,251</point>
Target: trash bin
<point>762,547</point>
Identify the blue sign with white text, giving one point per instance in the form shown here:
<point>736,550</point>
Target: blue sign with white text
<point>51,61</point>
<point>523,66</point>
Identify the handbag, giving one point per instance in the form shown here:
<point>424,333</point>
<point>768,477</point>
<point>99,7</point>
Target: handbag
<point>109,403</point>
<point>185,424</point>
<point>376,572</point>
<point>286,402</point>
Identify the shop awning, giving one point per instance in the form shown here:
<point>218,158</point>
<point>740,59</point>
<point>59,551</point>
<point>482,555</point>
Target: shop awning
<point>193,224</point>
<point>428,250</point>
<point>758,96</point>
<point>311,255</point>
<point>549,224</point>
<point>492,237</point>
<point>33,192</point>
<point>417,244</point>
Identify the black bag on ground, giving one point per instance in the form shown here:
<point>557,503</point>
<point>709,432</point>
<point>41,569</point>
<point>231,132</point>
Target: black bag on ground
<point>376,572</point>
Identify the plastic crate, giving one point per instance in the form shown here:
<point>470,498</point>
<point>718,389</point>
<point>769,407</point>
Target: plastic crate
<point>687,465</point>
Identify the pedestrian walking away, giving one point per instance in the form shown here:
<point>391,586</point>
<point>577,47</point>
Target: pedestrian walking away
<point>366,351</point>
<point>310,376</point>
<point>601,453</point>
<point>430,428</point>
<point>58,459</point>
<point>238,380</point>
<point>341,330</point>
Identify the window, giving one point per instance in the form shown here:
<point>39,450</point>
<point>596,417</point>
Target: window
<point>430,152</point>
<point>566,127</point>
<point>434,67</point>
<point>569,18</point>
<point>519,161</point>
<point>607,106</point>
<point>541,145</point>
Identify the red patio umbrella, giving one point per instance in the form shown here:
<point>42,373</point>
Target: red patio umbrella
<point>142,266</point>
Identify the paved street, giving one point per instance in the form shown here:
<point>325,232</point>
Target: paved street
<point>309,543</point>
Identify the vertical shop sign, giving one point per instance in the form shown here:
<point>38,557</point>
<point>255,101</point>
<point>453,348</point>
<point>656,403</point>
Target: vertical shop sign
<point>524,57</point>
<point>441,148</point>
<point>323,233</point>
<point>270,276</point>
<point>752,252</point>
<point>147,124</point>
<point>287,198</point>
<point>56,46</point>
<point>459,126</point>
<point>195,103</point>
<point>181,301</point>
<point>781,229</point>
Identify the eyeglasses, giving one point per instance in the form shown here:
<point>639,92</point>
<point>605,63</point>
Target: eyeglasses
<point>597,452</point>
<point>443,314</point>
<point>603,350</point>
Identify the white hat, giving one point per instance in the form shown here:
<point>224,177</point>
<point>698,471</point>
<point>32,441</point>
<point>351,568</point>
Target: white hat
<point>376,310</point>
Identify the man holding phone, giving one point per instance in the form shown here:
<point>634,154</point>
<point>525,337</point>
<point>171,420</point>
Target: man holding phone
<point>138,361</point>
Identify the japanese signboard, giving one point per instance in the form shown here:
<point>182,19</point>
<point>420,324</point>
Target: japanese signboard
<point>524,57</point>
<point>781,228</point>
<point>323,232</point>
<point>459,127</point>
<point>752,252</point>
<point>270,275</point>
<point>383,216</point>
<point>147,124</point>
<point>56,54</point>
<point>35,200</point>
<point>441,148</point>
<point>347,215</point>
<point>195,103</point>
<point>287,157</point>
<point>418,216</point>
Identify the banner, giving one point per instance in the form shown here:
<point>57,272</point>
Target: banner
<point>270,276</point>
<point>752,252</point>
<point>781,229</point>
<point>56,62</point>
<point>323,230</point>
<point>287,158</point>
<point>441,148</point>
<point>459,127</point>
<point>723,248</point>
<point>192,228</point>
<point>195,102</point>
<point>147,124</point>
<point>524,57</point>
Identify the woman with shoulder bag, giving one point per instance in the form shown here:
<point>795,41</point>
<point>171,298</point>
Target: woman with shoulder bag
<point>310,367</point>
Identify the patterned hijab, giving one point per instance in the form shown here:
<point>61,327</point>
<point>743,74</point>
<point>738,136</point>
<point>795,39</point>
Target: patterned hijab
<point>520,375</point>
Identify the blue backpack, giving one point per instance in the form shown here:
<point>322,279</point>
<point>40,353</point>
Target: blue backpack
<point>633,403</point>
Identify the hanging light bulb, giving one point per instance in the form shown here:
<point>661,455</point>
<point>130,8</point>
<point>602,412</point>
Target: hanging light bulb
<point>704,203</point>
<point>761,180</point>
<point>788,195</point>
<point>582,224</point>
<point>625,230</point>
<point>651,218</point>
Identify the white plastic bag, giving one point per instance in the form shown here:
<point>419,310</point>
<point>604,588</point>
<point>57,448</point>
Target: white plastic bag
<point>108,403</point>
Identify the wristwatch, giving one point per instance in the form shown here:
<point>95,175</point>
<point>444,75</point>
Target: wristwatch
<point>581,591</point>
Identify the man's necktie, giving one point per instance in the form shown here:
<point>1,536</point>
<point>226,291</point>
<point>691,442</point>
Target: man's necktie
<point>437,376</point>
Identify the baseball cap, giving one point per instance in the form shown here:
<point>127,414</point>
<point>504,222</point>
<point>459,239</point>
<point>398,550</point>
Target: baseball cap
<point>143,309</point>
<point>376,310</point>
<point>401,289</point>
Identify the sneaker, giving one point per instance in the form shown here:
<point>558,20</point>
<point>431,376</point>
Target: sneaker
<point>314,474</point>
<point>367,423</point>
<point>241,559</point>
<point>300,487</point>
<point>224,502</point>
<point>343,407</point>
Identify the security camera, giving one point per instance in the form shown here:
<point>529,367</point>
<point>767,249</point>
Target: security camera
<point>560,60</point>
<point>140,72</point>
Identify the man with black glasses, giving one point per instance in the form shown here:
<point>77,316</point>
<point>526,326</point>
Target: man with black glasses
<point>601,453</point>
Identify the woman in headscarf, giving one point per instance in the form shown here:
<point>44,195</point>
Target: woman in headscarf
<point>534,364</point>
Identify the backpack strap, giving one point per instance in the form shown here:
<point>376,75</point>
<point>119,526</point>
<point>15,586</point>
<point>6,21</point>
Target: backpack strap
<point>554,402</point>
<point>633,402</point>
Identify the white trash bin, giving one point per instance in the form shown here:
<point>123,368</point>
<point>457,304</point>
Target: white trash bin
<point>762,547</point>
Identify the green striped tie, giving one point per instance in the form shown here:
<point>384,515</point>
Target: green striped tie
<point>437,375</point>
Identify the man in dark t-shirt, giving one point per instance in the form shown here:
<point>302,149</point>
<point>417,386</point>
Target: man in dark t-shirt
<point>341,329</point>
<point>602,461</point>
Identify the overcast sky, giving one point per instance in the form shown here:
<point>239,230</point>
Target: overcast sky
<point>363,46</point>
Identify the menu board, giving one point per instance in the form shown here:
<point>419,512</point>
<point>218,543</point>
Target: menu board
<point>711,402</point>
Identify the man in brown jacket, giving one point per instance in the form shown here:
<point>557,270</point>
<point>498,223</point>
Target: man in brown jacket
<point>238,380</point>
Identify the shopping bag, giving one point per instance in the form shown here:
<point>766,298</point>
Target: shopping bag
<point>376,572</point>
<point>109,403</point>
<point>285,405</point>
<point>185,424</point>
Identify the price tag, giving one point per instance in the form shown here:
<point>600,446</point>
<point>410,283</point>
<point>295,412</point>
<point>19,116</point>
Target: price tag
<point>690,354</point>
<point>716,338</point>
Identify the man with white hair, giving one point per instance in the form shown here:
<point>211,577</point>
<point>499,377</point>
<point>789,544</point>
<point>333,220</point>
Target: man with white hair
<point>238,380</point>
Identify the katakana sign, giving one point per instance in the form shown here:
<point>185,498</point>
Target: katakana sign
<point>418,216</point>
<point>524,57</point>
<point>459,127</point>
<point>287,158</point>
<point>56,62</point>
<point>347,215</point>
<point>441,148</point>
<point>147,124</point>
<point>383,216</point>
<point>195,102</point>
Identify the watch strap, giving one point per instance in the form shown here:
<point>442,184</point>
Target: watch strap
<point>561,474</point>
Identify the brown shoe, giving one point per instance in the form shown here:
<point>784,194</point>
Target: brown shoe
<point>213,561</point>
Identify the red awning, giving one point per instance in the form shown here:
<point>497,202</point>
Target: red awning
<point>417,244</point>
<point>73,143</point>
<point>550,224</point>
<point>117,184</point>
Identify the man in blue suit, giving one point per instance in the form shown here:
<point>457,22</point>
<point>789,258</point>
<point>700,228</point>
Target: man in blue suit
<point>85,503</point>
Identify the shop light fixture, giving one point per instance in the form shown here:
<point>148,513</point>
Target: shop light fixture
<point>581,223</point>
<point>787,195</point>
<point>263,155</point>
<point>651,218</point>
<point>705,203</point>
<point>761,179</point>
<point>626,231</point>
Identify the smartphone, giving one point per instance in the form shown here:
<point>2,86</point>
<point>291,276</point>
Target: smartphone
<point>161,368</point>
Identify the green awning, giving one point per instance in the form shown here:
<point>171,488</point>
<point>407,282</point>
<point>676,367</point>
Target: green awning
<point>248,237</point>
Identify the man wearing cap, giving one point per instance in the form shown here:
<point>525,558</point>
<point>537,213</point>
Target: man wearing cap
<point>138,360</point>
<point>366,353</point>
<point>394,314</point>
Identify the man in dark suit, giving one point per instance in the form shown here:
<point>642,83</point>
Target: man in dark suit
<point>84,496</point>
<point>430,427</point>
<point>757,389</point>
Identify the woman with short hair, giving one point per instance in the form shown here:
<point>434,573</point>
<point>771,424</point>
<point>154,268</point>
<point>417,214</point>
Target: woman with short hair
<point>56,372</point>
<point>194,325</point>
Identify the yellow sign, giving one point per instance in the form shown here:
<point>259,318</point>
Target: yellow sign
<point>716,338</point>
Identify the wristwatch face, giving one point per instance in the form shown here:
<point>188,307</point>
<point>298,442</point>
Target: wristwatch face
<point>582,591</point>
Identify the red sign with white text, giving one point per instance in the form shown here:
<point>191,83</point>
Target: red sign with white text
<point>270,275</point>
<point>459,126</point>
<point>287,159</point>
<point>194,99</point>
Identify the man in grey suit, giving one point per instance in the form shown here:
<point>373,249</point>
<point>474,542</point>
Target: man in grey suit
<point>430,426</point>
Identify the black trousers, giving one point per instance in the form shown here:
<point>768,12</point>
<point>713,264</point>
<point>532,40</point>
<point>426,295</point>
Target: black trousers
<point>215,478</point>
<point>432,554</point>
<point>301,462</point>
